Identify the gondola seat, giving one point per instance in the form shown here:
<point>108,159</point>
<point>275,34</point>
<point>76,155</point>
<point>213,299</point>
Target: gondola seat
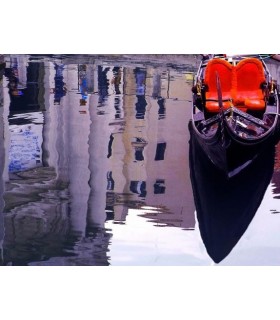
<point>247,85</point>
<point>224,69</point>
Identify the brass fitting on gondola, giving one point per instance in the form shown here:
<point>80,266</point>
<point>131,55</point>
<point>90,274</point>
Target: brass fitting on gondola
<point>271,95</point>
<point>272,87</point>
<point>197,89</point>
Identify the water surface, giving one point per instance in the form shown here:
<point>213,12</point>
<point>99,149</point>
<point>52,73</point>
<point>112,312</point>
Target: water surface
<point>95,167</point>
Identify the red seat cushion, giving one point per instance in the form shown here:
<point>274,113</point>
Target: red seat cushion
<point>254,104</point>
<point>224,69</point>
<point>213,106</point>
<point>249,75</point>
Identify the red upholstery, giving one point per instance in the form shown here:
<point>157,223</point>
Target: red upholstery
<point>248,77</point>
<point>224,69</point>
<point>213,106</point>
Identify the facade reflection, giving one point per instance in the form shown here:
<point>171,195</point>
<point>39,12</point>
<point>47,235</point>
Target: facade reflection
<point>2,164</point>
<point>115,139</point>
<point>274,69</point>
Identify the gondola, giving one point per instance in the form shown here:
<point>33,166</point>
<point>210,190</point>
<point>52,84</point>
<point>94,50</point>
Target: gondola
<point>226,207</point>
<point>235,114</point>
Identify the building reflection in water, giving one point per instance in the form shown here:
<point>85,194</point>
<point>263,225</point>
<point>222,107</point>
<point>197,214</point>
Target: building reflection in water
<point>2,164</point>
<point>125,146</point>
<point>274,69</point>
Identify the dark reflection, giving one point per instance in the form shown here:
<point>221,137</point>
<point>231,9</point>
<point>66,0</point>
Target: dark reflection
<point>139,154</point>
<point>160,151</point>
<point>159,187</point>
<point>30,97</point>
<point>117,79</point>
<point>138,187</point>
<point>103,84</point>
<point>110,181</point>
<point>117,107</point>
<point>276,175</point>
<point>110,146</point>
<point>140,106</point>
<point>83,84</point>
<point>225,208</point>
<point>60,86</point>
<point>139,144</point>
<point>161,110</point>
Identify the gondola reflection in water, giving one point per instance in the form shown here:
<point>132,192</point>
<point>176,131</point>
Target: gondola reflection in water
<point>225,207</point>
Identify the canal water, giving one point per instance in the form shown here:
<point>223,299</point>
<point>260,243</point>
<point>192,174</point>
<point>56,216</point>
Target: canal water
<point>98,169</point>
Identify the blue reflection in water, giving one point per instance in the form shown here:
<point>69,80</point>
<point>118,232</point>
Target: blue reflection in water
<point>25,150</point>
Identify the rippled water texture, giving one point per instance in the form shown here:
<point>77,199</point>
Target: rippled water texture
<point>96,170</point>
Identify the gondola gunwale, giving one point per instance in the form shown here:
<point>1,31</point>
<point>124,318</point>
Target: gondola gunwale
<point>211,143</point>
<point>260,138</point>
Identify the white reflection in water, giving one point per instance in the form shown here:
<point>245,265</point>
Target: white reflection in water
<point>26,140</point>
<point>261,241</point>
<point>140,242</point>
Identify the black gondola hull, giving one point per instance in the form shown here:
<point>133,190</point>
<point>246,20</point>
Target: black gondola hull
<point>225,207</point>
<point>231,154</point>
